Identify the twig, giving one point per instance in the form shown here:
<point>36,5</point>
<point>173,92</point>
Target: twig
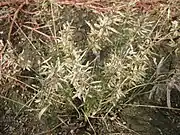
<point>34,29</point>
<point>3,97</point>
<point>50,130</point>
<point>14,2</point>
<point>97,6</point>
<point>4,3</point>
<point>13,20</point>
<point>151,106</point>
<point>1,56</point>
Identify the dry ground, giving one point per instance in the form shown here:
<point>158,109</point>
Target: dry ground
<point>81,68</point>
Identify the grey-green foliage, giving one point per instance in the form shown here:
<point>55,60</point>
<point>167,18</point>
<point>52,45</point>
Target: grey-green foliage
<point>101,70</point>
<point>70,74</point>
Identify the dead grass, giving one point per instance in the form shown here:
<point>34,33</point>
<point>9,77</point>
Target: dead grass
<point>75,62</point>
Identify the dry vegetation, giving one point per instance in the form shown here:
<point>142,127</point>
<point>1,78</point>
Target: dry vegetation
<point>70,67</point>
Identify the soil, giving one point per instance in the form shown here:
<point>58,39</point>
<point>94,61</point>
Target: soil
<point>133,120</point>
<point>153,121</point>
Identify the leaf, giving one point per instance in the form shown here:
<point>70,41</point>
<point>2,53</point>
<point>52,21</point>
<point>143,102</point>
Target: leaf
<point>37,101</point>
<point>113,30</point>
<point>168,97</point>
<point>160,64</point>
<point>45,61</point>
<point>42,112</point>
<point>90,25</point>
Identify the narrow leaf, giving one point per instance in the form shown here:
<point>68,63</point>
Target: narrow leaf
<point>42,112</point>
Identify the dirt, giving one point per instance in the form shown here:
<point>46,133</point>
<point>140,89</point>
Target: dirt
<point>128,120</point>
<point>153,121</point>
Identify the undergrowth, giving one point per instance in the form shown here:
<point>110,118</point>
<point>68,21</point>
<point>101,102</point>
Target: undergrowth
<point>68,60</point>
